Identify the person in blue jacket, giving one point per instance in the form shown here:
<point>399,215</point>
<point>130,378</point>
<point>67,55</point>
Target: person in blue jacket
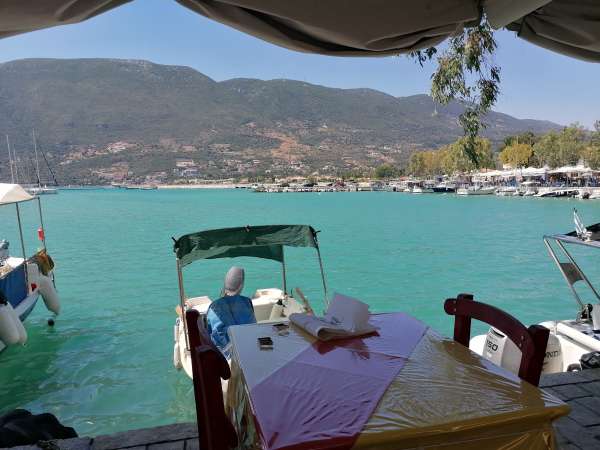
<point>231,309</point>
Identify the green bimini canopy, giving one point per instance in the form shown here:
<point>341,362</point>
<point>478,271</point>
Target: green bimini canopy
<point>263,241</point>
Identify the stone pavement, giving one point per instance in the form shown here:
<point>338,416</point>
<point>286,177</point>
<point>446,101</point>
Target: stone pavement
<point>581,390</point>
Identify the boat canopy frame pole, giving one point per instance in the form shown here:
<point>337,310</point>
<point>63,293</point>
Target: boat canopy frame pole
<point>326,301</point>
<point>283,272</point>
<point>37,162</point>
<point>22,243</point>
<point>583,275</point>
<point>182,303</point>
<point>577,268</point>
<point>39,202</point>
<point>10,161</point>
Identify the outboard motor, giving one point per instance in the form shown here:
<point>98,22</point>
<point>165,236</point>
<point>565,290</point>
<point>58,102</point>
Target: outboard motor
<point>503,352</point>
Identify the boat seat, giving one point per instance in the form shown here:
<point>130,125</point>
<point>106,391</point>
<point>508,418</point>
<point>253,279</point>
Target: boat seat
<point>262,307</point>
<point>198,301</point>
<point>531,341</point>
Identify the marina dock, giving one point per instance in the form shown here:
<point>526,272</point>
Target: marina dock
<point>579,430</point>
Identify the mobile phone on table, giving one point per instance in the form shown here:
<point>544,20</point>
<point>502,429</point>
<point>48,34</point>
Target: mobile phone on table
<point>265,343</point>
<point>280,326</point>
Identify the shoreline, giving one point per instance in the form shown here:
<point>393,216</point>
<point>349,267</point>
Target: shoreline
<point>204,186</point>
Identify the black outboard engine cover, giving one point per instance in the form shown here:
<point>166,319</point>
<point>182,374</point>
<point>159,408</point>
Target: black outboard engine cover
<point>20,427</point>
<point>590,360</point>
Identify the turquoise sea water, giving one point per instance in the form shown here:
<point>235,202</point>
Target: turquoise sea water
<point>107,364</point>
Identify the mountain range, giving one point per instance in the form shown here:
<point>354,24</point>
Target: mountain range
<point>80,108</point>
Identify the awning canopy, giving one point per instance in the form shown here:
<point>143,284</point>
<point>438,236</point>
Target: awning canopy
<point>532,172</point>
<point>489,174</point>
<point>571,169</point>
<point>264,241</point>
<point>355,27</point>
<point>510,173</point>
<point>13,193</point>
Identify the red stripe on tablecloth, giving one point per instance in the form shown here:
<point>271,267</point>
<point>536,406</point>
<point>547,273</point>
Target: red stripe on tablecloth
<point>323,398</point>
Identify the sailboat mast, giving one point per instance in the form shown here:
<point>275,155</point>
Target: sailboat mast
<point>10,161</point>
<point>37,162</point>
<point>14,158</point>
<point>48,167</point>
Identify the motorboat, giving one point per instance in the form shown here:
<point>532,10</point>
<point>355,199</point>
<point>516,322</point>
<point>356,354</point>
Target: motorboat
<point>570,339</point>
<point>445,187</point>
<point>410,185</point>
<point>530,188</point>
<point>263,241</point>
<point>23,279</point>
<point>594,194</point>
<point>557,192</point>
<point>588,193</point>
<point>476,189</point>
<point>423,188</point>
<point>141,187</point>
<point>507,191</point>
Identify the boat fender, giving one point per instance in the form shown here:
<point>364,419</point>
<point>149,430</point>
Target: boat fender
<point>277,310</point>
<point>176,348</point>
<point>9,333</point>
<point>49,294</point>
<point>20,328</point>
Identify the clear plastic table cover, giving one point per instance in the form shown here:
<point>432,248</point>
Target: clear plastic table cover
<point>440,394</point>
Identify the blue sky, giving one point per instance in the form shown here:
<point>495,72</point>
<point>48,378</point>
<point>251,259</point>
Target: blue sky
<point>535,83</point>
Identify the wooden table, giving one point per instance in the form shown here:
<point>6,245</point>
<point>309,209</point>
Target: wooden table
<point>404,387</point>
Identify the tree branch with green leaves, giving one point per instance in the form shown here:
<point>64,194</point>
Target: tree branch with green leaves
<point>466,73</point>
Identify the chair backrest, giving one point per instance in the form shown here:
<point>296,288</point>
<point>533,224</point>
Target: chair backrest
<point>531,341</point>
<point>215,431</point>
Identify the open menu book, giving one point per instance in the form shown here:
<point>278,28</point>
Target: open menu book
<point>345,317</point>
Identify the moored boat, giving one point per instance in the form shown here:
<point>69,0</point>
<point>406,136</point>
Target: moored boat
<point>42,190</point>
<point>572,341</point>
<point>265,242</point>
<point>141,187</point>
<point>507,191</point>
<point>476,189</point>
<point>444,187</point>
<point>423,187</point>
<point>557,192</point>
<point>23,279</point>
<point>530,188</point>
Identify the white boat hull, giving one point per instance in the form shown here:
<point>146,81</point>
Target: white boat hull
<point>42,191</point>
<point>420,190</point>
<point>475,191</point>
<point>574,340</point>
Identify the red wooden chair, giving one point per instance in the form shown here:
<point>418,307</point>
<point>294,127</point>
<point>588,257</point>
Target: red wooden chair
<point>531,341</point>
<point>215,431</point>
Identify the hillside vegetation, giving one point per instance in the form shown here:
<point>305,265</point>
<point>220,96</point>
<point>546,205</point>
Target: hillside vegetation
<point>163,113</point>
